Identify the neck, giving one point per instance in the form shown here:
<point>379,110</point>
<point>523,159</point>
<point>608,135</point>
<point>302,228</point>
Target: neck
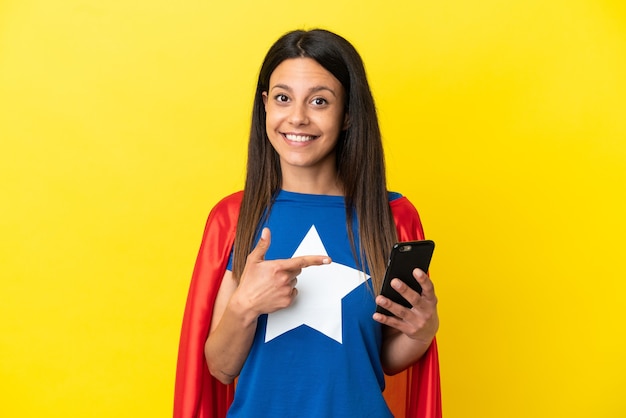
<point>304,181</point>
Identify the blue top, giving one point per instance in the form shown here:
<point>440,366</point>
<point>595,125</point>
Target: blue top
<point>320,357</point>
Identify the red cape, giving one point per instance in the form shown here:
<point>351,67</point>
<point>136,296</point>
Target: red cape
<point>414,393</point>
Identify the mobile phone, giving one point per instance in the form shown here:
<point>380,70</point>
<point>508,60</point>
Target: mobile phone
<point>404,258</point>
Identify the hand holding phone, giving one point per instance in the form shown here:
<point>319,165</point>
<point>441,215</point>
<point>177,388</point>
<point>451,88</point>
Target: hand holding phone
<point>404,258</point>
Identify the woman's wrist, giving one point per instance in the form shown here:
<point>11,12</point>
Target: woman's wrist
<point>242,310</point>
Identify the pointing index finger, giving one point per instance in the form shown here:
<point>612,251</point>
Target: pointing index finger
<point>309,260</point>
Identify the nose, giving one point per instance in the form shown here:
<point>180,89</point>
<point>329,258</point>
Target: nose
<point>298,115</point>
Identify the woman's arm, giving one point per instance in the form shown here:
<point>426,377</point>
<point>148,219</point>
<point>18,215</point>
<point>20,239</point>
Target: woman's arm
<point>408,335</point>
<point>231,333</point>
<point>265,286</point>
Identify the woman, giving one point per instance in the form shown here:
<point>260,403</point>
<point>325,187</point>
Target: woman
<point>289,309</point>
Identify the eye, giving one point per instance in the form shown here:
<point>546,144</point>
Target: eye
<point>281,98</point>
<point>319,101</point>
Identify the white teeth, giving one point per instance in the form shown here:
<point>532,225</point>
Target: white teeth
<point>299,138</point>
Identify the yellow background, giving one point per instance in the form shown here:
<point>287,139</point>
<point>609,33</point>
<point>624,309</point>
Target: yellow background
<point>122,123</point>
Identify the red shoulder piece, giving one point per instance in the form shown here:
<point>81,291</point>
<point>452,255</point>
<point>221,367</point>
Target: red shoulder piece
<point>197,394</point>
<point>416,392</point>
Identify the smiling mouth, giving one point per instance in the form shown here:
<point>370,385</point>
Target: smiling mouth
<point>299,138</point>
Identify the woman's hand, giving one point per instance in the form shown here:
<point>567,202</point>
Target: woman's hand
<point>414,327</point>
<point>269,285</point>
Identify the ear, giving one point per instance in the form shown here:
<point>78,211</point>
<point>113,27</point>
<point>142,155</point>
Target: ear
<point>264,94</point>
<point>346,122</point>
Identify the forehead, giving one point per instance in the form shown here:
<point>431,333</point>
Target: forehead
<point>295,72</point>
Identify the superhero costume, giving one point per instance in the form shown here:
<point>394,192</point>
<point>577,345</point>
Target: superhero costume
<point>414,393</point>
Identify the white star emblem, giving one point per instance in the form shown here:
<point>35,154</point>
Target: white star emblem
<point>320,291</point>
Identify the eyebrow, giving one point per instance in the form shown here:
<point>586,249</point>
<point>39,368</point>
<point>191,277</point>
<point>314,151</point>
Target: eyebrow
<point>314,89</point>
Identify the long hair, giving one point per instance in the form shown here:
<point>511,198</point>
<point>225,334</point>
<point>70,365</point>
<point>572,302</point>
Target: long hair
<point>359,153</point>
